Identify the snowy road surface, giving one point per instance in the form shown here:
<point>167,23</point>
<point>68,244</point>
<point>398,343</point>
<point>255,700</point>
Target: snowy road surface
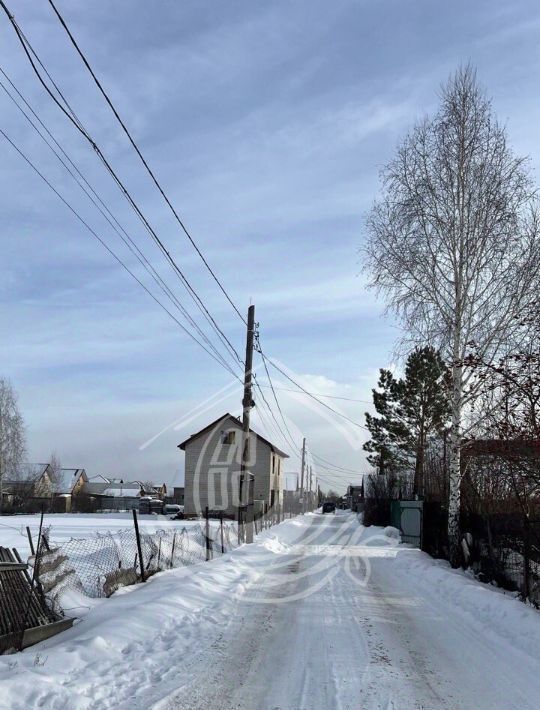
<point>318,613</point>
<point>384,644</point>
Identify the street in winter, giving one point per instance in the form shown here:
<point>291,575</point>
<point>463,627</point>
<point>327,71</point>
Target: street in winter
<point>270,366</point>
<point>319,612</point>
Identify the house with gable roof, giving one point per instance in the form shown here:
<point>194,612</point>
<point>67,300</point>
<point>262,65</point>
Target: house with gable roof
<point>213,458</point>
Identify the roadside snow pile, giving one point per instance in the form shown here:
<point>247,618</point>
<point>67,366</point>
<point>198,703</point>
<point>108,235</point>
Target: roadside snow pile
<point>500,613</point>
<point>132,643</point>
<point>285,534</point>
<point>392,533</point>
<point>135,642</point>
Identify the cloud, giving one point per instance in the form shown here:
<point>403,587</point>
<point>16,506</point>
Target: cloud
<point>267,123</point>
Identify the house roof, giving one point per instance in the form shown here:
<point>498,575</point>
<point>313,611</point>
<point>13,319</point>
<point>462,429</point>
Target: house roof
<point>112,487</point>
<point>33,470</point>
<point>99,479</point>
<point>122,492</point>
<point>237,421</point>
<point>27,473</point>
<point>67,478</point>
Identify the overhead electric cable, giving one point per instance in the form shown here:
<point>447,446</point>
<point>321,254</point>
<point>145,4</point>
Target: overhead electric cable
<point>323,404</point>
<point>326,396</point>
<point>105,245</point>
<point>334,466</point>
<point>30,52</point>
<point>106,213</point>
<point>142,158</point>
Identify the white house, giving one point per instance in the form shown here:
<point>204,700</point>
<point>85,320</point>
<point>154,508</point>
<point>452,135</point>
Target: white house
<point>212,468</point>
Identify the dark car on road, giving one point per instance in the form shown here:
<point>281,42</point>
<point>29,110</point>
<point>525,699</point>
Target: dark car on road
<point>329,507</point>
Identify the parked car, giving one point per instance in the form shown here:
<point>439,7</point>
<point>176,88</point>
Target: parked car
<point>172,509</point>
<point>328,507</point>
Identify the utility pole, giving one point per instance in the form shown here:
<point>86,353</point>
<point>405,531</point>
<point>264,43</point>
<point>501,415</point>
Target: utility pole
<point>247,404</point>
<point>310,501</point>
<point>302,474</point>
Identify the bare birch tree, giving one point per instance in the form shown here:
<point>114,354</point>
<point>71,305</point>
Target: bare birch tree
<point>55,467</point>
<point>12,435</point>
<point>453,244</point>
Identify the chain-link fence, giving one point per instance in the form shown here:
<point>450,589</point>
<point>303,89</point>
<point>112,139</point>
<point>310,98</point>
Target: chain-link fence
<point>98,565</point>
<point>500,547</point>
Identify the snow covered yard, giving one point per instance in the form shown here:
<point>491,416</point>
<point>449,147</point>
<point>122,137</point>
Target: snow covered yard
<point>65,526</point>
<point>318,613</point>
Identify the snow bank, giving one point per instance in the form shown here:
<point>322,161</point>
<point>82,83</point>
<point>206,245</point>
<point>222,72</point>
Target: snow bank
<point>392,533</point>
<point>501,615</point>
<point>134,642</point>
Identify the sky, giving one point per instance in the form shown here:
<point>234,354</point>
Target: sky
<point>267,124</point>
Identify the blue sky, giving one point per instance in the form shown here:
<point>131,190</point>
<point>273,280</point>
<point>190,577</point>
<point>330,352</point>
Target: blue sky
<point>267,123</point>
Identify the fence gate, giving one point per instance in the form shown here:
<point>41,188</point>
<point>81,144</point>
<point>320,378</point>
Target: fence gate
<point>407,517</point>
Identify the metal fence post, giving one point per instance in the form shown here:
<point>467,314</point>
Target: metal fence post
<point>207,534</point>
<point>172,551</point>
<point>32,550</point>
<point>221,525</point>
<point>526,561</point>
<point>139,548</point>
<point>238,526</point>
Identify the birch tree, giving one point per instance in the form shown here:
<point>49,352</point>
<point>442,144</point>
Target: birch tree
<point>56,472</point>
<point>12,435</point>
<point>453,244</point>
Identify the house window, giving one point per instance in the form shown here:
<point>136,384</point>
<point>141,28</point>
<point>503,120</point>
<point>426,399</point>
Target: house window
<point>228,437</point>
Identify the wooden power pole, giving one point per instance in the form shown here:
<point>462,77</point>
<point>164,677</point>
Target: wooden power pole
<point>302,475</point>
<point>247,403</point>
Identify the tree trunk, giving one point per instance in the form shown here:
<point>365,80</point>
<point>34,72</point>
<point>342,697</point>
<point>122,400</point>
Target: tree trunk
<point>419,468</point>
<point>454,494</point>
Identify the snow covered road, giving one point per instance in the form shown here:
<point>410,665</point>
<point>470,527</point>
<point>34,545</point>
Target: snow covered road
<point>365,639</point>
<point>318,613</point>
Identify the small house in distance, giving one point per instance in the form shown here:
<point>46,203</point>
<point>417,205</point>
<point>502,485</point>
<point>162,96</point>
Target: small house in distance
<point>213,463</point>
<point>355,497</point>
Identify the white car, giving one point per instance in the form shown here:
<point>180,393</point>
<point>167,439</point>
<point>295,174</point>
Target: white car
<point>172,509</point>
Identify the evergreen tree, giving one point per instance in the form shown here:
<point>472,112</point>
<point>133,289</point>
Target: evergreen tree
<point>387,433</point>
<point>411,411</point>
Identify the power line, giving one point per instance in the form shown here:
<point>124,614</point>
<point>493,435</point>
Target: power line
<point>290,441</point>
<point>334,466</point>
<point>323,404</point>
<point>275,395</point>
<point>331,467</point>
<point>142,158</point>
<point>30,52</point>
<point>326,396</point>
<point>96,200</point>
<point>104,244</point>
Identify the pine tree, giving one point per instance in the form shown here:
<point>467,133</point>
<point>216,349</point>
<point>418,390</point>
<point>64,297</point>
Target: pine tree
<point>423,405</point>
<point>412,410</point>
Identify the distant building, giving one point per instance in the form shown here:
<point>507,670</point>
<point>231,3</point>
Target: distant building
<point>37,481</point>
<point>107,493</point>
<point>178,495</point>
<point>355,497</point>
<point>212,468</point>
<point>30,480</point>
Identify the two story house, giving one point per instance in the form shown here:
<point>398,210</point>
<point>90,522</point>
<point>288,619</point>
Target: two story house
<point>213,459</point>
